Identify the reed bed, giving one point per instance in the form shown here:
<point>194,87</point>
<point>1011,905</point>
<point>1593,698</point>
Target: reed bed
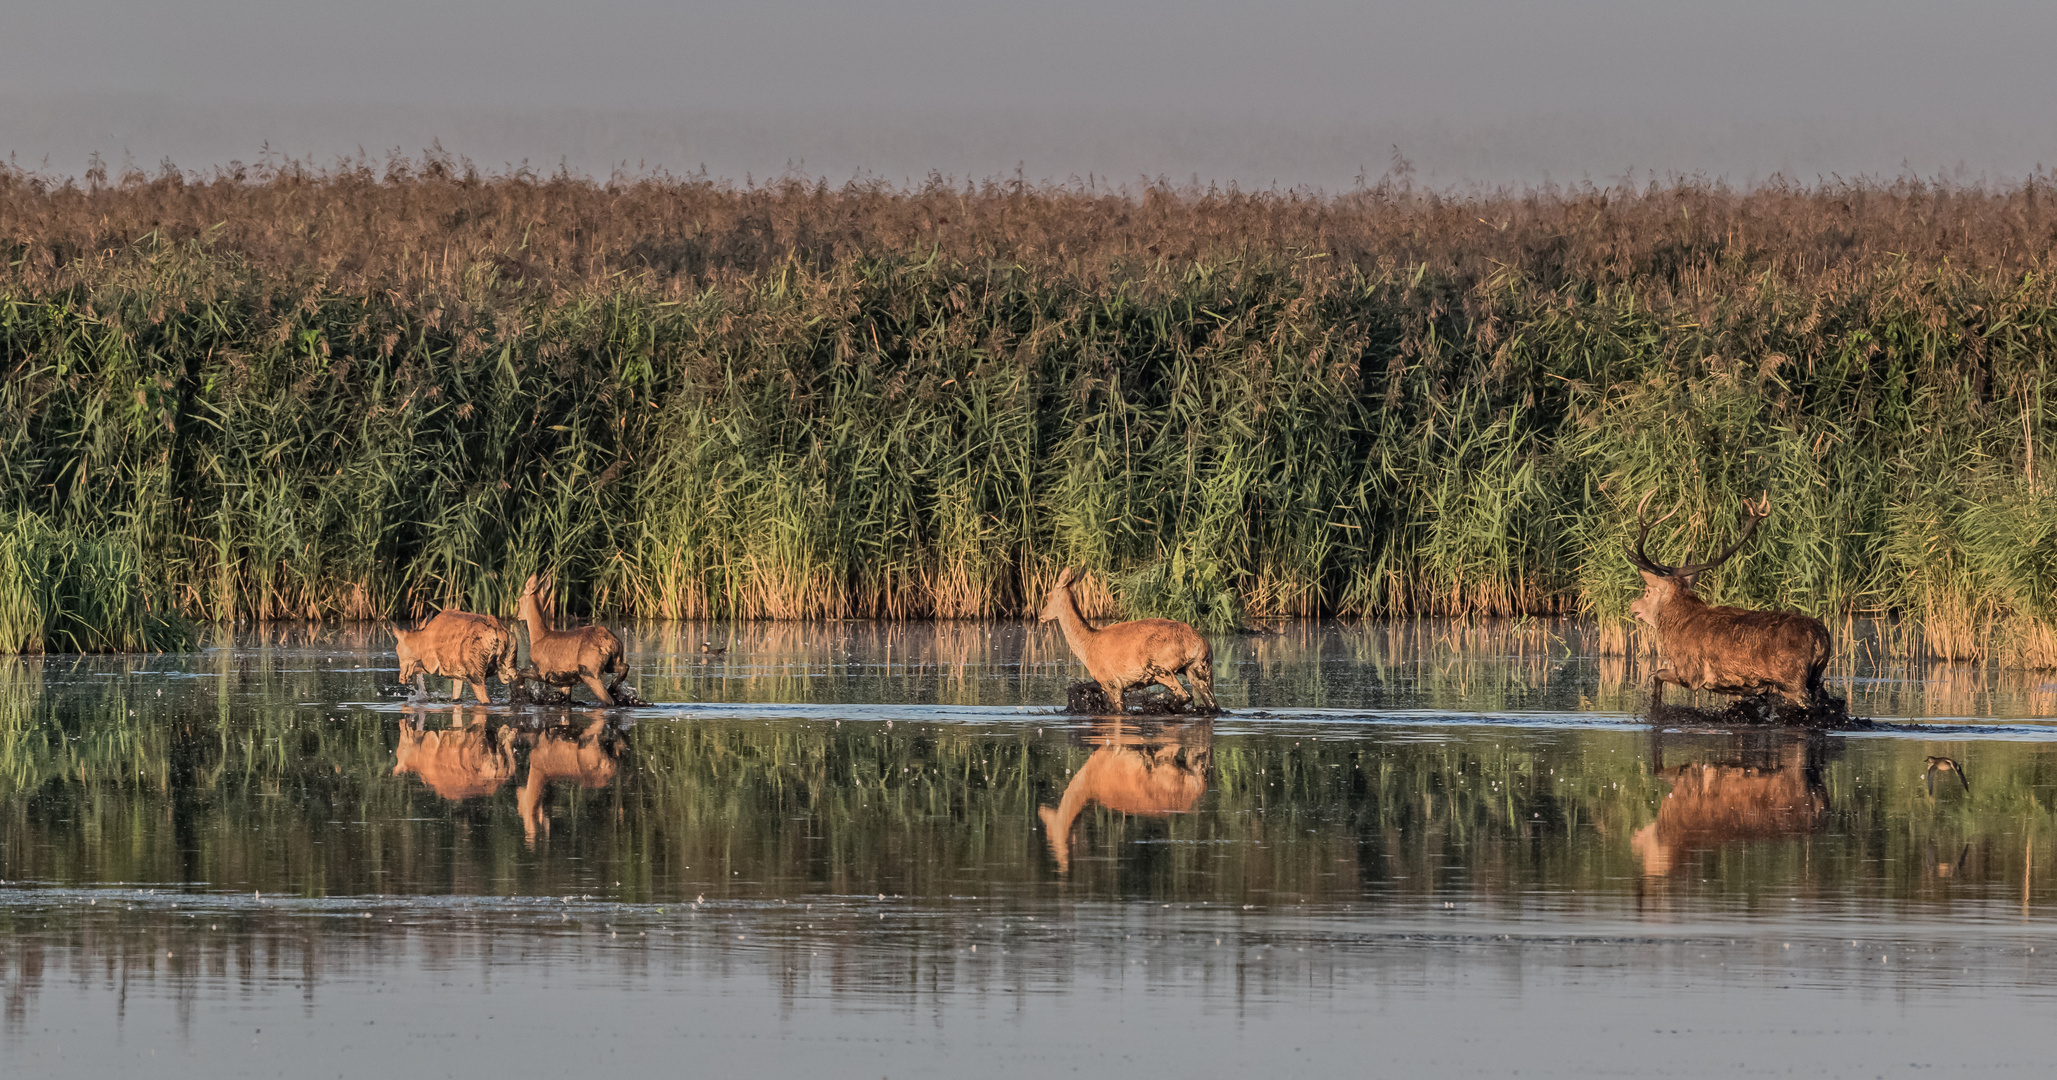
<point>372,390</point>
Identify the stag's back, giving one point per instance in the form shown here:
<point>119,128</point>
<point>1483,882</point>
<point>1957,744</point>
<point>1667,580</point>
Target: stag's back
<point>1738,650</point>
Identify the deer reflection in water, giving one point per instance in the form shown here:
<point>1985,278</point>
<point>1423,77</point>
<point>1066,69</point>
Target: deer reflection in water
<point>1154,774</point>
<point>561,753</point>
<point>1762,786</point>
<point>475,757</point>
<point>464,762</point>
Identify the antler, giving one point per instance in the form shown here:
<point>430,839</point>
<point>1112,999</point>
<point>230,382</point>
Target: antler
<point>1754,513</point>
<point>1635,551</point>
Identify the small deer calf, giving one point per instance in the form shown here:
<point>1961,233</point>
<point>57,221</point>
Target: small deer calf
<point>460,646</point>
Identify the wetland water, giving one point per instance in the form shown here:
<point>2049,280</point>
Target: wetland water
<point>866,850</point>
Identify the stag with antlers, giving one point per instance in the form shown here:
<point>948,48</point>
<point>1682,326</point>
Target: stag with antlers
<point>1724,649</point>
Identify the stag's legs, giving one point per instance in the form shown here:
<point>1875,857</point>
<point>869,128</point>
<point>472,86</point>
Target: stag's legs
<point>1114,696</point>
<point>478,688</point>
<point>1657,680</point>
<point>421,685</point>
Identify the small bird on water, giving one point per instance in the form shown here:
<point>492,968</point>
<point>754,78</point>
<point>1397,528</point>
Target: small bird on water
<point>707,648</point>
<point>1943,764</point>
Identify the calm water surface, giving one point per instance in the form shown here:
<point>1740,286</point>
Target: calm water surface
<point>863,850</point>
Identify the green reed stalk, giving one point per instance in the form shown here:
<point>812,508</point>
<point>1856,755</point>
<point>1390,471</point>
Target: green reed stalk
<point>794,402</point>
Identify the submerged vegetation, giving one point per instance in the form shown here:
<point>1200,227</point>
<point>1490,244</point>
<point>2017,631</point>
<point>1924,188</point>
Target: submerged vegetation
<point>287,392</point>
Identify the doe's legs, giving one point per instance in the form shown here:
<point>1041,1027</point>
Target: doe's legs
<point>599,691</point>
<point>1170,680</point>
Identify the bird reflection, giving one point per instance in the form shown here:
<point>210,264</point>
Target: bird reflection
<point>1760,786</point>
<point>1153,774</point>
<point>471,759</point>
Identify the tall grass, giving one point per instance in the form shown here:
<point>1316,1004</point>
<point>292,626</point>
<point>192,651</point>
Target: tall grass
<point>66,593</point>
<point>361,392</point>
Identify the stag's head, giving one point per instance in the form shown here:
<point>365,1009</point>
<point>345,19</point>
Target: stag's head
<point>1060,596</point>
<point>1663,585</point>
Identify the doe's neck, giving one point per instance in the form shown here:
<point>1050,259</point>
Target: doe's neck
<point>1076,630</point>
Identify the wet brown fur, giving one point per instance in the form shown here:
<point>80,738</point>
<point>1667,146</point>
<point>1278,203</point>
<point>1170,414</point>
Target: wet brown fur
<point>460,646</point>
<point>567,657</point>
<point>1137,653</point>
<point>1726,650</point>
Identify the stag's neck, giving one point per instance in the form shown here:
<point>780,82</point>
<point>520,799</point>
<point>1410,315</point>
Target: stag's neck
<point>1677,610</point>
<point>1077,633</point>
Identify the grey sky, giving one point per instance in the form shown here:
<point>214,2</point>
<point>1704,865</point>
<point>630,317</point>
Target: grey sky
<point>1289,92</point>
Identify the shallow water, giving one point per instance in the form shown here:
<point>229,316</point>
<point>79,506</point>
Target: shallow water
<point>873,850</point>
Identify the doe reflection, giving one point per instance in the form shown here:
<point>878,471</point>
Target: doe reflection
<point>1759,786</point>
<point>1152,774</point>
<point>471,759</point>
<point>475,757</point>
<point>587,755</point>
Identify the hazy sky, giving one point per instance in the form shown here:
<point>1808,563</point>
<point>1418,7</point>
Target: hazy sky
<point>1289,92</point>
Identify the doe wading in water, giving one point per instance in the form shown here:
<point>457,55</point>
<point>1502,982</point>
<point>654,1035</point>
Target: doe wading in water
<point>1727,650</point>
<point>564,658</point>
<point>1132,654</point>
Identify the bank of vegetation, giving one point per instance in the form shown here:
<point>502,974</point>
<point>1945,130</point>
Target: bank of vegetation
<point>370,390</point>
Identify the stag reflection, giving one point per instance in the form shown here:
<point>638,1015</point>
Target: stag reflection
<point>1155,774</point>
<point>1760,786</point>
<point>473,757</point>
<point>586,755</point>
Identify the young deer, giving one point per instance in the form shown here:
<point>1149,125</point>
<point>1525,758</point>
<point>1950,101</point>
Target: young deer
<point>1135,653</point>
<point>460,646</point>
<point>567,657</point>
<point>1724,649</point>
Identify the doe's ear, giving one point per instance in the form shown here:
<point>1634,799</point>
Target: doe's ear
<point>1067,576</point>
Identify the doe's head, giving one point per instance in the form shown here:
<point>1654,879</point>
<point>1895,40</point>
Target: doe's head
<point>1060,595</point>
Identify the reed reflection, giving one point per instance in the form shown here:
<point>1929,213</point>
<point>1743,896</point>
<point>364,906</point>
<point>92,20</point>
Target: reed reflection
<point>1148,772</point>
<point>1756,786</point>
